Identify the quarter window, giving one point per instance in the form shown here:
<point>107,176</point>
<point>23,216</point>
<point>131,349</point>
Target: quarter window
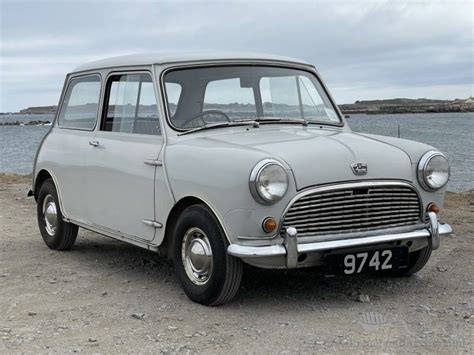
<point>80,104</point>
<point>131,105</point>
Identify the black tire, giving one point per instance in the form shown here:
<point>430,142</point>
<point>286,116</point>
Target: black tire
<point>63,236</point>
<point>221,283</point>
<point>417,260</point>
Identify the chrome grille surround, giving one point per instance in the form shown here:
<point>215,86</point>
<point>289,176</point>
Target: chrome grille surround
<point>353,208</point>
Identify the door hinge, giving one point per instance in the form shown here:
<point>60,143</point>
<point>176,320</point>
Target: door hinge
<point>151,223</point>
<point>154,162</point>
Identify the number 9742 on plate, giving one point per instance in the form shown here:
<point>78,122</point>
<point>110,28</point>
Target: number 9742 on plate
<point>363,261</point>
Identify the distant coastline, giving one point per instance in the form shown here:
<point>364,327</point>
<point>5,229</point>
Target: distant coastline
<point>394,106</point>
<point>368,107</point>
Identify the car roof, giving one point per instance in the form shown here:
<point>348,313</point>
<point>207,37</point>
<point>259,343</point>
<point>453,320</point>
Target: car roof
<point>180,57</point>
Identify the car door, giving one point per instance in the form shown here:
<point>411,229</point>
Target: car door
<point>67,143</point>
<point>123,158</point>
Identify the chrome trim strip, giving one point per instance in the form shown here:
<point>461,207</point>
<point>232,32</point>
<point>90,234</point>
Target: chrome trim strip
<point>279,250</point>
<point>107,232</point>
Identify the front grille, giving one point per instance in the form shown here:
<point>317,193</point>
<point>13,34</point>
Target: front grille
<point>353,209</point>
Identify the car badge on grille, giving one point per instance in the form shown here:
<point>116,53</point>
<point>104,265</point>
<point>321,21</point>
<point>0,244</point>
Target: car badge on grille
<point>359,168</point>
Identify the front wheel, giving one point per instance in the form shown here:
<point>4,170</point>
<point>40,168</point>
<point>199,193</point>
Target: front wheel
<point>57,234</point>
<point>208,275</point>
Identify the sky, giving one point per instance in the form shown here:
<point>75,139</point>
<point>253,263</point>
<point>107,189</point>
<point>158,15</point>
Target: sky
<point>362,49</point>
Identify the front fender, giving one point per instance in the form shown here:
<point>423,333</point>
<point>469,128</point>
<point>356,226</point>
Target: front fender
<point>219,175</point>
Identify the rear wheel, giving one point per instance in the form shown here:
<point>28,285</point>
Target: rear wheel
<point>56,233</point>
<point>208,275</point>
<point>417,260</point>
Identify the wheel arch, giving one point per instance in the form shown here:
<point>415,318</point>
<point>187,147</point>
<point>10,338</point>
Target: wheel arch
<point>173,216</point>
<point>41,177</point>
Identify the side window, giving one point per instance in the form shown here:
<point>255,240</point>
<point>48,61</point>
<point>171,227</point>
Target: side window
<point>173,93</point>
<point>131,105</point>
<point>80,104</point>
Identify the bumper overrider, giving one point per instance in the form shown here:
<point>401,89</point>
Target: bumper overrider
<point>291,248</point>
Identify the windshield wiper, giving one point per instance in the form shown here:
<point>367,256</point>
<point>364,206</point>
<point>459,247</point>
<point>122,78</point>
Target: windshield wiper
<point>221,124</point>
<point>282,120</point>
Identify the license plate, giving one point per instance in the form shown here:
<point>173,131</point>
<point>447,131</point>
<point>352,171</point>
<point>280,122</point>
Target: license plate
<point>357,262</point>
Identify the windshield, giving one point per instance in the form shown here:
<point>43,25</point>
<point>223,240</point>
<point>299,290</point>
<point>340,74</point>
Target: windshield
<point>200,97</point>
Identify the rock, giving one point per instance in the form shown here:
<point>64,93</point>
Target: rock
<point>320,342</point>
<point>441,268</point>
<point>467,316</point>
<point>423,308</point>
<point>139,316</point>
<point>32,313</point>
<point>105,293</point>
<point>171,328</point>
<point>363,298</point>
<point>92,340</point>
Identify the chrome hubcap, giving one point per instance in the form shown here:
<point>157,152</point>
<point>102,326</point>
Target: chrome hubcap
<point>50,214</point>
<point>196,254</point>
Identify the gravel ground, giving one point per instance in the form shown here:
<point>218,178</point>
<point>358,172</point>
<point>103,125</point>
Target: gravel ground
<point>106,296</point>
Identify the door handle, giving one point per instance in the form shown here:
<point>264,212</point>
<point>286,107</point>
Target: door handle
<point>94,143</point>
<point>154,162</point>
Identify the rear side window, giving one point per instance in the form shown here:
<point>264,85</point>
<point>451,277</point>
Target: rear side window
<point>80,104</point>
<point>131,105</point>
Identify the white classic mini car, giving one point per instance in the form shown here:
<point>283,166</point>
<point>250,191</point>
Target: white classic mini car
<point>217,161</point>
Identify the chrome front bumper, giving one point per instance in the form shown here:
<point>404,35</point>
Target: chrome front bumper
<point>291,248</point>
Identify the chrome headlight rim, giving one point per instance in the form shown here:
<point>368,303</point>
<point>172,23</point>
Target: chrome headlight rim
<point>422,165</point>
<point>255,175</point>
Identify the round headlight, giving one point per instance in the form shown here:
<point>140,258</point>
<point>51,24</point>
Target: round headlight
<point>268,181</point>
<point>433,171</point>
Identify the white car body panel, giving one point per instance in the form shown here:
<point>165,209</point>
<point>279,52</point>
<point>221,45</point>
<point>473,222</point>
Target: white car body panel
<point>119,186</point>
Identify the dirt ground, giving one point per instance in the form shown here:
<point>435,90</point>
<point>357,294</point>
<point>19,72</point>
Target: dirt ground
<point>105,296</point>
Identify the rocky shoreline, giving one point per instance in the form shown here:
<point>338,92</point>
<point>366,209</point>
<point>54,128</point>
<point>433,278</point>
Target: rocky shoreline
<point>404,106</point>
<point>27,123</point>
